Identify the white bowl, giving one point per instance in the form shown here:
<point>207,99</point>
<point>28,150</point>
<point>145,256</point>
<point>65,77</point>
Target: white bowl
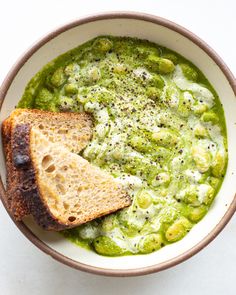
<point>165,33</point>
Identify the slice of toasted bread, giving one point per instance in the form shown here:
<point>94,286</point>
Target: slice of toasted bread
<point>62,189</point>
<point>70,129</point>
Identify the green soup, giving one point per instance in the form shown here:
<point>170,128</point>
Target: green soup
<point>159,129</point>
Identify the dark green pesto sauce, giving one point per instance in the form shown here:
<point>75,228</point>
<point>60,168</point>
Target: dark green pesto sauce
<point>159,130</point>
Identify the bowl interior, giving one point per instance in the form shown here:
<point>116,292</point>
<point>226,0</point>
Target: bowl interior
<point>177,42</point>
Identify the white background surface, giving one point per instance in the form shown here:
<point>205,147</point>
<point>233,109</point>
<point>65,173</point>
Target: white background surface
<point>26,270</point>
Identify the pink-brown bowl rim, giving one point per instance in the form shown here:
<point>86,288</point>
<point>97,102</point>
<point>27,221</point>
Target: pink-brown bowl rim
<point>3,91</point>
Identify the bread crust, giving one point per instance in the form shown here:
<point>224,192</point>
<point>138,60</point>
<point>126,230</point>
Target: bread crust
<point>14,200</point>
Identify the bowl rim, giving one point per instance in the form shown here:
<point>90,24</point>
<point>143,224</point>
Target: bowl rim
<point>6,85</point>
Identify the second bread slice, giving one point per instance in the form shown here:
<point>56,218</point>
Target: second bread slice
<point>61,188</point>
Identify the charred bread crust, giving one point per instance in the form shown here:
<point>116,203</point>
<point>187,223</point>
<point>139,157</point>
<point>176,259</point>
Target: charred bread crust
<point>6,141</point>
<point>14,200</point>
<point>28,179</point>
